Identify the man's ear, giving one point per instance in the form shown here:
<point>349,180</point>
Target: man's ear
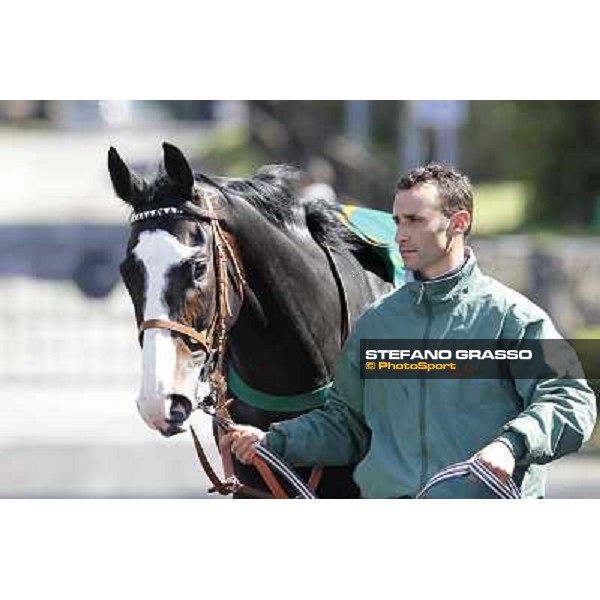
<point>461,222</point>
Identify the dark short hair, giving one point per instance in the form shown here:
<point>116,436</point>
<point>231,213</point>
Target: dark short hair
<point>454,188</point>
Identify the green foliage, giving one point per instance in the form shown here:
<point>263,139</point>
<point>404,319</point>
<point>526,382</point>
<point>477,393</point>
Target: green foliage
<point>590,332</point>
<point>230,154</point>
<point>499,208</point>
<point>503,207</point>
<point>559,144</point>
<point>487,141</point>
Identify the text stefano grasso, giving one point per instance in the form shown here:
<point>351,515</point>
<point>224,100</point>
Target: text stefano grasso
<point>498,354</point>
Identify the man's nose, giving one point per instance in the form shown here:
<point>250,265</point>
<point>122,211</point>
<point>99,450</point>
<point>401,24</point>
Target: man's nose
<point>401,236</point>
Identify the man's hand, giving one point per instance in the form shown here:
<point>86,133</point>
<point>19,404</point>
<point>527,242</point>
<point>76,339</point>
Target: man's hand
<point>243,440</point>
<point>499,459</point>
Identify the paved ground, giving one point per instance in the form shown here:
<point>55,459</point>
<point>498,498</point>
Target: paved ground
<point>575,477</point>
<point>153,471</point>
<point>60,442</point>
<point>57,443</point>
<point>150,471</point>
<point>88,471</point>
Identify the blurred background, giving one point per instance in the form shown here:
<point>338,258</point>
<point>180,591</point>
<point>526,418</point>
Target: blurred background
<point>69,361</point>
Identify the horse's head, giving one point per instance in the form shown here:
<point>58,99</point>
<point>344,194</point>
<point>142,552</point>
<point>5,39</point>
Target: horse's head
<point>184,280</point>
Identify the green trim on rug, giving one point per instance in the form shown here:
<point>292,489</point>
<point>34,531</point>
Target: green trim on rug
<point>272,402</point>
<point>378,229</point>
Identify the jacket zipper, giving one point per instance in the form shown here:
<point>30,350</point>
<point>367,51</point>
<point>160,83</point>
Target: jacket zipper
<point>423,396</point>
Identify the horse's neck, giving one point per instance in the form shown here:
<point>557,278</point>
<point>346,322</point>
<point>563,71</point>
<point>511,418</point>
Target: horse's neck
<point>288,333</point>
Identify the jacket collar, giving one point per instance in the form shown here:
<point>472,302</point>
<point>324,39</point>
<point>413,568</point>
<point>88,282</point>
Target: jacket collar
<point>446,288</point>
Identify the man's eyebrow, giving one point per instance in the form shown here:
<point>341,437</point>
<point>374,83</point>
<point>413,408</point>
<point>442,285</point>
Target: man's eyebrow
<point>412,215</point>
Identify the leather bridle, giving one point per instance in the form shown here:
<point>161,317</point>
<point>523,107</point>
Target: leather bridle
<point>213,338</point>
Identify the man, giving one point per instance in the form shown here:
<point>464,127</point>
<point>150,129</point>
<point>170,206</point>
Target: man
<point>403,431</point>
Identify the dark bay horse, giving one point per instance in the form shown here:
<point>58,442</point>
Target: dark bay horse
<point>294,278</point>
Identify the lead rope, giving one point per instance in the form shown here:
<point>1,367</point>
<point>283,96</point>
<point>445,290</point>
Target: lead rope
<point>264,461</point>
<point>479,471</point>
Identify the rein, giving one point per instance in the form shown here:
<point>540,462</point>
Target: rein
<point>213,341</point>
<point>478,471</point>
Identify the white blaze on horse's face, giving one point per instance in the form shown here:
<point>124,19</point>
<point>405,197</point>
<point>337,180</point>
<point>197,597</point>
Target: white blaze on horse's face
<point>165,371</point>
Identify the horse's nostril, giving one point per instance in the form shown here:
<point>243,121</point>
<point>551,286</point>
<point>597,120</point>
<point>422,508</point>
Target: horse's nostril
<point>180,410</point>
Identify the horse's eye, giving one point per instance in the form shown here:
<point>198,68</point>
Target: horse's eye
<point>194,345</point>
<point>198,270</point>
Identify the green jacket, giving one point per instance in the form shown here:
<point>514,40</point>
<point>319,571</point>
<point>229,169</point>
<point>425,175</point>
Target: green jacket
<point>401,432</point>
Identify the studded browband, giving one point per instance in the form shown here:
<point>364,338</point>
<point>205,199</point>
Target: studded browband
<point>184,209</point>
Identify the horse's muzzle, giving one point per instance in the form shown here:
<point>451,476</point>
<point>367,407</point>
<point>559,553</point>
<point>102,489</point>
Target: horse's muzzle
<point>179,413</point>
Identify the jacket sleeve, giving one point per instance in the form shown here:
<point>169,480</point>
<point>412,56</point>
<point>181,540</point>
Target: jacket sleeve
<point>559,406</point>
<point>336,434</point>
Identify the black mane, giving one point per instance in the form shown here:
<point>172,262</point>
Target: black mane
<point>276,192</point>
<point>273,190</point>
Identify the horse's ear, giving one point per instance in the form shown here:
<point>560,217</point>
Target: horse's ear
<point>128,186</point>
<point>177,167</point>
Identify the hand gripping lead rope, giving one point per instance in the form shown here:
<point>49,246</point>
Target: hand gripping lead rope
<point>475,468</point>
<point>264,459</point>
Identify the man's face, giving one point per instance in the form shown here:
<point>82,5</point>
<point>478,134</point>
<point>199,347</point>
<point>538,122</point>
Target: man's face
<point>423,233</point>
